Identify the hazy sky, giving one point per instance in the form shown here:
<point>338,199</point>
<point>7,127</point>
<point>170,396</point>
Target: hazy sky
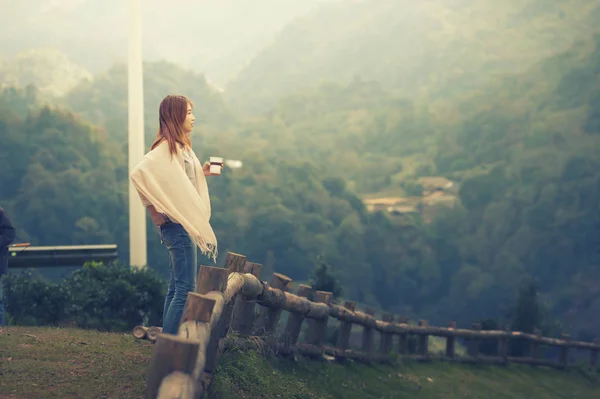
<point>196,33</point>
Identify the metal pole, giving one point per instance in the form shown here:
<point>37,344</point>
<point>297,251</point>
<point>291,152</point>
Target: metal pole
<point>137,213</point>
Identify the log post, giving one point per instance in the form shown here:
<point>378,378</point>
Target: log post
<point>234,264</point>
<point>594,354</point>
<point>345,330</point>
<point>423,340</point>
<point>564,352</point>
<point>474,342</point>
<point>153,333</point>
<point>243,311</point>
<point>171,354</point>
<point>315,335</point>
<point>212,279</point>
<point>268,317</point>
<point>294,321</point>
<point>139,332</point>
<point>197,308</point>
<point>403,338</point>
<point>534,347</point>
<point>177,385</point>
<point>503,343</point>
<point>367,337</point>
<point>451,341</point>
<point>385,346</point>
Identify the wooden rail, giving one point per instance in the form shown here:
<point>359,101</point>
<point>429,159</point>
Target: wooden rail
<point>182,365</point>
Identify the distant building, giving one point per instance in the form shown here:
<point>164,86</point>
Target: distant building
<point>436,191</point>
<point>431,184</point>
<point>233,163</point>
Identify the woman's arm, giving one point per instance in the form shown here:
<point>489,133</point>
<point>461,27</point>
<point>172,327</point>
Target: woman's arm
<point>157,217</point>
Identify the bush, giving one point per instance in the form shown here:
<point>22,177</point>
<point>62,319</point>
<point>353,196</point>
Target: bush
<point>110,297</point>
<point>30,300</point>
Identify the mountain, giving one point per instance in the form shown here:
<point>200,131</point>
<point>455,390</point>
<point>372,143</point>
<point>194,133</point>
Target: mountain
<point>429,49</point>
<point>49,70</point>
<point>103,101</point>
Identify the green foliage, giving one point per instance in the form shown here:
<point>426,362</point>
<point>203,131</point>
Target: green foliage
<point>114,297</point>
<point>109,298</point>
<point>29,300</point>
<point>527,316</point>
<point>323,279</point>
<point>412,188</point>
<point>254,375</point>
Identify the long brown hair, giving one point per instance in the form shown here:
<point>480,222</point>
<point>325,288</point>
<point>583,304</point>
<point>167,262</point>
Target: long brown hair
<point>171,115</point>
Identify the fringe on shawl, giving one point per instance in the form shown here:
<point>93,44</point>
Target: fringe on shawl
<point>208,250</point>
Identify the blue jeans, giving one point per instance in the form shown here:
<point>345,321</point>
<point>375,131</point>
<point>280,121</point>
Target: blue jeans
<point>183,259</point>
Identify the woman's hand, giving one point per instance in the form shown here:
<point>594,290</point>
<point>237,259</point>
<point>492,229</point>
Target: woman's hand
<point>206,169</point>
<point>157,218</point>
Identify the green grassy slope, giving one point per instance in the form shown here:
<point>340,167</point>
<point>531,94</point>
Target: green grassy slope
<point>42,362</point>
<point>250,376</point>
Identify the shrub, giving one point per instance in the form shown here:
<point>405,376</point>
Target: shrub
<point>110,297</point>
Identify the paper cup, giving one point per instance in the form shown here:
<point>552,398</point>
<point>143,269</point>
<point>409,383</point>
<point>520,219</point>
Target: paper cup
<point>215,169</point>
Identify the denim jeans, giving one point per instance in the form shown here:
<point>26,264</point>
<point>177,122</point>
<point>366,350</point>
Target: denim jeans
<point>183,259</point>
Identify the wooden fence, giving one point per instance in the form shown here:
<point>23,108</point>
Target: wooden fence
<point>182,365</point>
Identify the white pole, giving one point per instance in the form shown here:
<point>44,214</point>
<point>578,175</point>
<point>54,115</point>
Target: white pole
<point>137,213</point>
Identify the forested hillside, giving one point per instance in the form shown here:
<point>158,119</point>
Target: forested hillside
<point>428,49</point>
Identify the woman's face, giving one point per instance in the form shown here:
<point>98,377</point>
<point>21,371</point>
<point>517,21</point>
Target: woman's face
<point>188,124</point>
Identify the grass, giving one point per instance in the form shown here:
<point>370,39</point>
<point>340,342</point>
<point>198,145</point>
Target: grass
<point>251,375</point>
<point>42,362</point>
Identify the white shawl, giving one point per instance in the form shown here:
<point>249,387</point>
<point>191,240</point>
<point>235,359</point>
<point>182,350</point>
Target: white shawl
<point>160,180</point>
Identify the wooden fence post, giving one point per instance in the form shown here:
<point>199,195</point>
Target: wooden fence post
<point>367,337</point>
<point>197,308</point>
<point>243,311</point>
<point>474,342</point>
<point>345,330</point>
<point>212,279</point>
<point>268,317</point>
<point>315,335</point>
<point>564,351</point>
<point>451,341</point>
<point>534,345</point>
<point>503,344</point>
<point>234,264</point>
<point>294,321</point>
<point>171,354</point>
<point>594,354</point>
<point>386,344</point>
<point>423,340</point>
<point>403,338</point>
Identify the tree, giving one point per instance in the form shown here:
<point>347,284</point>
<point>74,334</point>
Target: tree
<point>527,316</point>
<point>323,279</point>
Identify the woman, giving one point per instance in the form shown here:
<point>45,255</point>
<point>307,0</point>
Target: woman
<point>172,185</point>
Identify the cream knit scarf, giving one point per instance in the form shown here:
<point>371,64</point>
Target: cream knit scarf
<point>161,181</point>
